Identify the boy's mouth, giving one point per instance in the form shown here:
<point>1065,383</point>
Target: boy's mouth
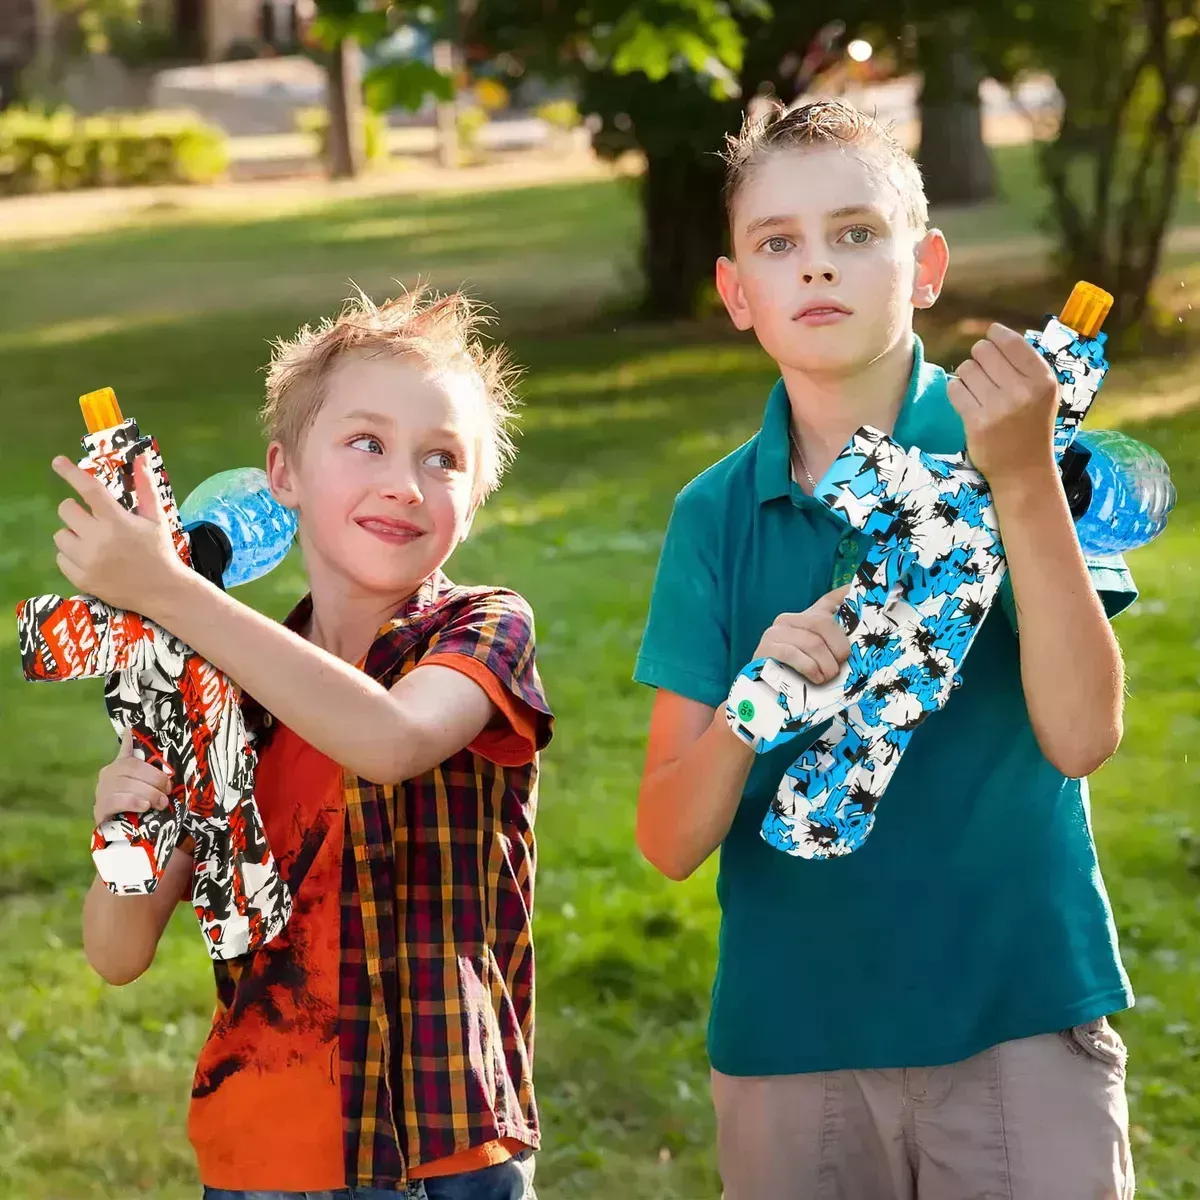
<point>822,312</point>
<point>389,529</point>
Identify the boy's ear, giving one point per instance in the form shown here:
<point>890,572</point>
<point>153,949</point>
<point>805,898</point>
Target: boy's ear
<point>932,258</point>
<point>279,475</point>
<point>732,295</point>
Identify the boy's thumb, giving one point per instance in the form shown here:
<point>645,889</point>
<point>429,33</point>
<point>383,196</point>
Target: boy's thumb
<point>127,743</point>
<point>832,601</point>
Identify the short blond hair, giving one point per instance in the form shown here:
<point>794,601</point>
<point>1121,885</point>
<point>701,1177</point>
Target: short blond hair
<point>821,124</point>
<point>441,331</point>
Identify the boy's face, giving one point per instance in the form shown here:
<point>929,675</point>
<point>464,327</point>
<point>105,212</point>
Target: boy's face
<point>827,267</point>
<point>383,481</point>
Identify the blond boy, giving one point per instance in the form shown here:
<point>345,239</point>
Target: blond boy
<point>925,1017</point>
<point>382,1044</point>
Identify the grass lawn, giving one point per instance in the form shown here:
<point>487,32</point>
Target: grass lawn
<point>176,315</point>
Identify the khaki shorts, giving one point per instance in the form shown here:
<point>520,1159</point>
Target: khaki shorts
<point>1042,1118</point>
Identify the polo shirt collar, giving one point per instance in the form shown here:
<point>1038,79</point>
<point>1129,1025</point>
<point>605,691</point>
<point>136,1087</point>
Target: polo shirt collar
<point>922,410</point>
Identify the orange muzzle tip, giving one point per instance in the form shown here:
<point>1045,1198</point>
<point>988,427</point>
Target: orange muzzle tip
<point>1085,309</point>
<point>100,410</point>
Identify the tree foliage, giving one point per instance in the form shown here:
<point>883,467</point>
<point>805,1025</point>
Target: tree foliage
<point>1129,74</point>
<point>396,84</point>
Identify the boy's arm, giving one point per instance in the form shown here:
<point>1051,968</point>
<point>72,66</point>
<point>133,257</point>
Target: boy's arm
<point>691,784</point>
<point>697,767</point>
<point>383,736</point>
<point>1071,668</point>
<point>1071,672</point>
<point>121,933</point>
<point>126,559</point>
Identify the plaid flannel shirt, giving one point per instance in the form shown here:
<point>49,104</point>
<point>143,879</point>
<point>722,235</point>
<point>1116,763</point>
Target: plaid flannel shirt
<point>436,979</point>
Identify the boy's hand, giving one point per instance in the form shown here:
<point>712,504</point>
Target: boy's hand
<point>128,784</point>
<point>1007,396</point>
<point>811,642</point>
<point>124,558</point>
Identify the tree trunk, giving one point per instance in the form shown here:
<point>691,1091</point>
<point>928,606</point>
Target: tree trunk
<point>347,149</point>
<point>189,28</point>
<point>683,229</point>
<point>954,159</point>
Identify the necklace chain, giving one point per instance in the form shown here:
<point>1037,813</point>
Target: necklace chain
<point>812,483</point>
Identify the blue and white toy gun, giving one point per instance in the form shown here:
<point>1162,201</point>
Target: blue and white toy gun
<point>918,599</point>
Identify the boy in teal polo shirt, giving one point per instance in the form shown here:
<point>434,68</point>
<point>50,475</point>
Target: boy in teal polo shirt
<point>925,1017</point>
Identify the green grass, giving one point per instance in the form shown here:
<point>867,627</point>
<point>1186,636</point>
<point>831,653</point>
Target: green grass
<point>94,1081</point>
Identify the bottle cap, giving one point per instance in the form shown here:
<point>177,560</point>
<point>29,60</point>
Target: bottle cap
<point>100,410</point>
<point>1086,308</point>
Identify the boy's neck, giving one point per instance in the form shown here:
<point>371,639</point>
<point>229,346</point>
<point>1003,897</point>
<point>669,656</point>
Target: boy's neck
<point>826,410</point>
<point>345,620</point>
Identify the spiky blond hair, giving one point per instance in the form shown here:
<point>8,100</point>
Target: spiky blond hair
<point>439,330</point>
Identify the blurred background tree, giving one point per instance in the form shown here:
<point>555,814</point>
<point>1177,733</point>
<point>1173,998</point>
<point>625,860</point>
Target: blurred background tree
<point>670,79</point>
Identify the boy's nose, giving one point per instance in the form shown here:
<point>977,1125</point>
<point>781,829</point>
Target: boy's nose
<point>406,491</point>
<point>820,273</point>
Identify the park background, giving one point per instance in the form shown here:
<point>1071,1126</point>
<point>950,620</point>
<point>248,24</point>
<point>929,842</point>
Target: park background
<point>559,163</point>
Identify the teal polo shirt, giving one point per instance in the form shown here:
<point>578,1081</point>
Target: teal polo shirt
<point>975,912</point>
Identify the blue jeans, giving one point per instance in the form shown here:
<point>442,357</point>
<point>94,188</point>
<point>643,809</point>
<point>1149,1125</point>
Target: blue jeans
<point>512,1180</point>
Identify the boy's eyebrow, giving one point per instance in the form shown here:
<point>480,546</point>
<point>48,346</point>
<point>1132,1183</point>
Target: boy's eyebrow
<point>453,435</point>
<point>767,222</point>
<point>366,414</point>
<point>856,210</point>
<point>850,210</point>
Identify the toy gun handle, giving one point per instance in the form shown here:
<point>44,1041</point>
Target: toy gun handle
<point>770,703</point>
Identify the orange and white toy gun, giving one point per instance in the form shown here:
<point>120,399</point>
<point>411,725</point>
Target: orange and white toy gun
<point>183,713</point>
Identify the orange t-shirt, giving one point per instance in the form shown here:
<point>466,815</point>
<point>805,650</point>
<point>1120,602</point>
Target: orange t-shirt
<point>266,1100</point>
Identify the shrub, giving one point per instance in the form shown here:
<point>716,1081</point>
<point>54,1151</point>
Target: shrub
<point>470,120</point>
<point>562,115</point>
<point>315,122</point>
<point>57,151</point>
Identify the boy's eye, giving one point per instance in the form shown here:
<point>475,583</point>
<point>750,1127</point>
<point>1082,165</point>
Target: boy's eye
<point>777,244</point>
<point>367,443</point>
<point>857,235</point>
<point>443,459</point>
